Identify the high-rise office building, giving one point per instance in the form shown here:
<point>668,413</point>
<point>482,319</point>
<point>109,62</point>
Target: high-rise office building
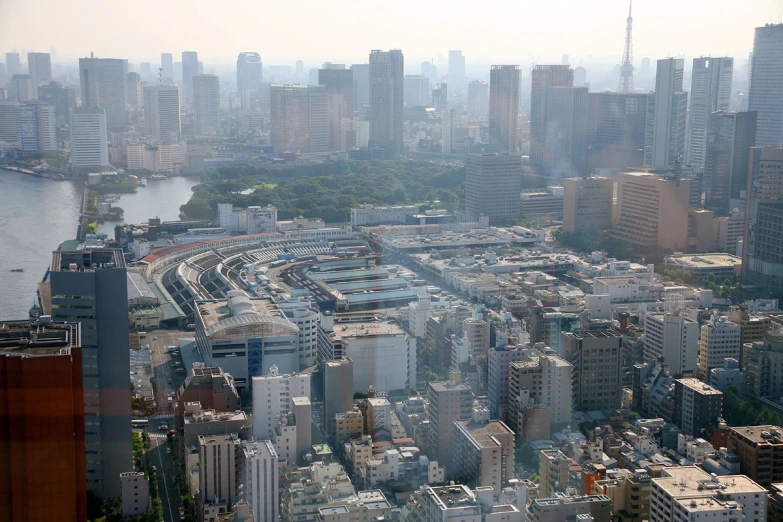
<point>60,96</point>
<point>766,76</point>
<point>587,205</point>
<point>440,98</point>
<point>90,286</point>
<point>189,70</point>
<point>133,96</point>
<point>22,87</point>
<point>9,123</point>
<point>161,113</point>
<point>720,339</point>
<point>483,452</point>
<point>503,108</point>
<point>565,145</point>
<point>710,92</point>
<point>103,87</point>
<point>493,183</point>
<point>617,124</point>
<point>88,144</point>
<point>206,104</point>
<point>39,67</point>
<point>167,64</point>
<point>598,368</point>
<point>730,136</point>
<point>272,397</point>
<point>652,210</point>
<point>42,426</point>
<point>37,125</point>
<point>338,389</point>
<point>762,258</point>
<point>449,402</point>
<point>338,82</point>
<point>667,116</point>
<point>361,85</point>
<point>217,471</point>
<point>13,64</point>
<point>299,118</point>
<point>417,90</point>
<point>697,406</point>
<point>478,99</point>
<point>145,70</point>
<point>543,77</point>
<point>260,479</point>
<point>429,70</point>
<point>456,70</point>
<point>386,101</point>
<point>249,77</point>
<point>673,337</point>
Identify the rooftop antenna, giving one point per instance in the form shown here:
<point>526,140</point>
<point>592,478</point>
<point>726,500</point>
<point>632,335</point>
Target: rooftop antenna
<point>160,76</point>
<point>626,69</point>
<point>92,55</point>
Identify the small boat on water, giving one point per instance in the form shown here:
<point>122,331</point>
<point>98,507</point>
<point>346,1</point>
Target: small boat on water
<point>158,177</point>
<point>17,270</point>
<point>143,182</point>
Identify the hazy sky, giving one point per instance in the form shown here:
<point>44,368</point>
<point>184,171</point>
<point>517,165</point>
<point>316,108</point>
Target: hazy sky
<point>489,31</point>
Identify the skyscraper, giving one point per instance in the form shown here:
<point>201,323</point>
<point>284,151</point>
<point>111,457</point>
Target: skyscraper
<point>440,98</point>
<point>39,67</point>
<point>456,70</point>
<point>730,136</point>
<point>161,113</point>
<point>37,127</point>
<point>566,132</point>
<point>9,128</point>
<point>90,287</point>
<point>361,85</point>
<point>666,116</point>
<point>133,95</point>
<point>13,64</point>
<point>587,205</point>
<point>386,101</point>
<point>762,259</point>
<point>189,70</point>
<point>59,96</point>
<point>22,85</point>
<point>766,77</point>
<point>206,104</point>
<point>493,183</point>
<point>417,90</point>
<point>249,75</point>
<point>710,92</point>
<point>299,118</point>
<point>542,77</point>
<point>503,108</point>
<point>103,87</point>
<point>616,129</point>
<point>88,145</point>
<point>429,70</point>
<point>167,64</point>
<point>339,93</point>
<point>478,99</point>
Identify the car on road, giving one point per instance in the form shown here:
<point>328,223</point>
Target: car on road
<point>181,513</point>
<point>168,380</point>
<point>168,451</point>
<point>154,468</point>
<point>154,338</point>
<point>163,427</point>
<point>177,363</point>
<point>180,371</point>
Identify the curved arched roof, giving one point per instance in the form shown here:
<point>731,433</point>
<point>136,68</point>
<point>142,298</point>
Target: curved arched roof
<point>252,324</point>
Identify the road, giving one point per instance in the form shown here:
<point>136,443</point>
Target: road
<point>166,381</point>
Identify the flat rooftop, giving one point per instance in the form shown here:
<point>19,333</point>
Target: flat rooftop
<point>760,434</point>
<point>448,386</point>
<point>213,416</point>
<point>26,338</point>
<point>373,329</point>
<point>691,481</point>
<point>705,261</point>
<point>699,386</point>
<point>87,260</point>
<point>483,432</point>
<point>540,502</point>
<point>451,495</point>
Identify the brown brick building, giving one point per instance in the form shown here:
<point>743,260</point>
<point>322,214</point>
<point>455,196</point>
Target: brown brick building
<point>760,449</point>
<point>42,452</point>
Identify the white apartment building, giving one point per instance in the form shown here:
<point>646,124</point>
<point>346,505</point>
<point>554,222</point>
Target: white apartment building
<point>720,339</point>
<point>681,493</point>
<point>261,480</point>
<point>419,312</point>
<point>272,396</point>
<point>134,494</point>
<point>162,113</point>
<point>540,381</point>
<point>383,355</point>
<point>251,220</point>
<point>88,144</point>
<point>354,133</point>
<point>305,315</point>
<point>367,214</point>
<point>673,337</point>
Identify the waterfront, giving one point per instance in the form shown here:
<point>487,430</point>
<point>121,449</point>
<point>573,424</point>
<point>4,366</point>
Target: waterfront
<point>160,198</point>
<point>38,214</point>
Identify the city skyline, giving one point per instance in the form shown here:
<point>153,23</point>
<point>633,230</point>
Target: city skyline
<point>597,27</point>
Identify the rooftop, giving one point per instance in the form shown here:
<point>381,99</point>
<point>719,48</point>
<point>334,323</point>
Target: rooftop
<point>87,260</point>
<point>374,329</point>
<point>692,481</point>
<point>26,338</point>
<point>241,315</point>
<point>760,434</point>
<point>705,261</point>
<point>138,288</point>
<point>698,386</point>
<point>484,433</point>
<point>563,499</point>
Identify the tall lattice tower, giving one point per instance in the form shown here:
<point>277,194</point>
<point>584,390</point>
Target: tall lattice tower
<point>626,70</point>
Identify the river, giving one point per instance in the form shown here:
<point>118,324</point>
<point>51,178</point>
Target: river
<point>38,214</point>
